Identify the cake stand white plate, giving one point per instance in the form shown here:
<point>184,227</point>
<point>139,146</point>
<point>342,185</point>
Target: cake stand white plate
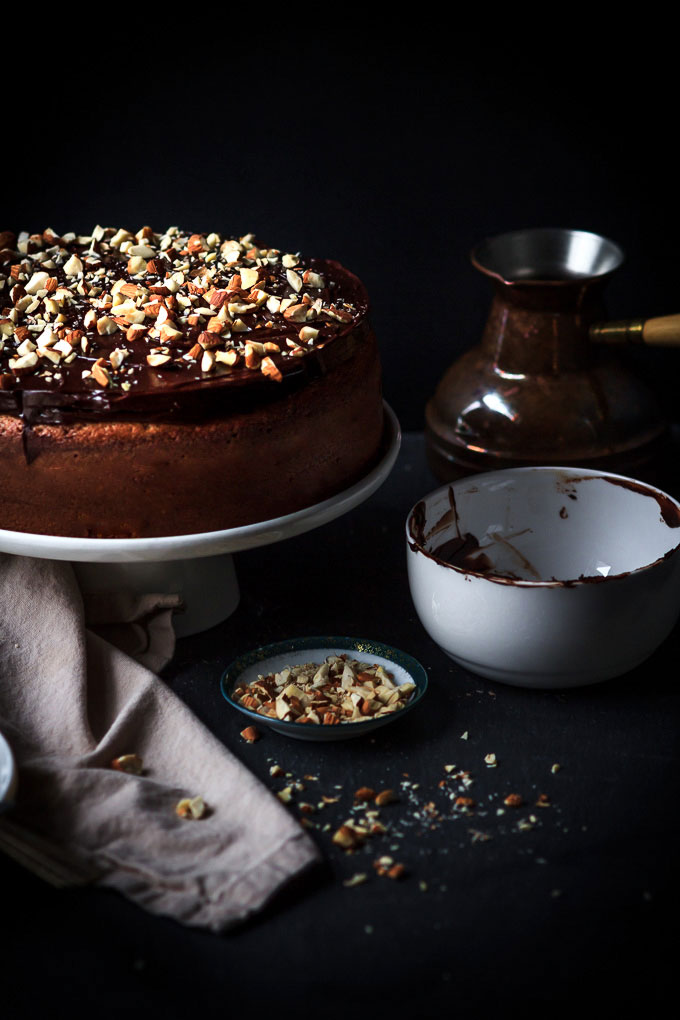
<point>199,567</point>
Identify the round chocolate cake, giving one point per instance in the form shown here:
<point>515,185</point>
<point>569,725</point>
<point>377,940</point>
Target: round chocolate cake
<point>167,384</point>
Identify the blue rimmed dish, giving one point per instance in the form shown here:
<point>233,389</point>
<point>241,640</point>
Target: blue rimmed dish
<point>275,657</point>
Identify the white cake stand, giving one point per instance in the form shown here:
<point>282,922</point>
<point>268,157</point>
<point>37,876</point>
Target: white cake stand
<point>199,567</point>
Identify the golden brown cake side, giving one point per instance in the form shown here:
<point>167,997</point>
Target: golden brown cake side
<point>133,479</point>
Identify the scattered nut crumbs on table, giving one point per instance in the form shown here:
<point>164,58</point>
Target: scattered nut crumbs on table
<point>408,808</point>
<point>338,690</point>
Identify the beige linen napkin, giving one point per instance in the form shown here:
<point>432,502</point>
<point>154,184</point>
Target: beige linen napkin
<point>71,702</point>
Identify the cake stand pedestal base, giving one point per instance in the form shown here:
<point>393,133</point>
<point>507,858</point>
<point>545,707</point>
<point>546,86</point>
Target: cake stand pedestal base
<point>208,587</point>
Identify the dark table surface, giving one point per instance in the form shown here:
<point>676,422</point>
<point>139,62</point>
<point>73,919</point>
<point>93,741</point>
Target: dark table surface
<point>563,907</point>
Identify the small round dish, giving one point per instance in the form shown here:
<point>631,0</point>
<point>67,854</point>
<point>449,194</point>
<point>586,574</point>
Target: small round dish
<point>8,776</point>
<point>275,657</point>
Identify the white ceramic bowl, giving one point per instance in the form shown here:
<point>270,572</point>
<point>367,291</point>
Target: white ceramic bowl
<point>571,577</point>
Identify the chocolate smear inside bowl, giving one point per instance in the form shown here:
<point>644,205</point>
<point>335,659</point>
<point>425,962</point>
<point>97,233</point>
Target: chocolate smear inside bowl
<point>547,577</point>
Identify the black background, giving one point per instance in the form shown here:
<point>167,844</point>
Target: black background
<point>393,150</point>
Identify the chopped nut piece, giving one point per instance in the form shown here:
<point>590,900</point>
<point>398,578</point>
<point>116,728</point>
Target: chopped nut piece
<point>106,326</point>
<point>37,283</point>
<point>252,358</point>
<point>358,879</point>
<point>73,266</point>
<point>339,690</point>
<point>307,334</point>
<point>226,357</point>
<point>313,280</point>
<point>119,237</point>
<point>25,347</point>
<point>396,871</point>
<point>248,278</point>
<point>347,837</point>
<point>385,797</point>
<point>464,802</point>
<point>295,313</point>
<point>131,763</point>
<point>364,793</point>
<point>294,280</point>
<point>250,734</point>
<point>157,360</point>
<point>513,800</point>
<point>141,249</point>
<point>100,374</point>
<point>191,808</point>
<point>137,265</point>
<point>117,357</point>
<point>196,243</point>
<point>268,368</point>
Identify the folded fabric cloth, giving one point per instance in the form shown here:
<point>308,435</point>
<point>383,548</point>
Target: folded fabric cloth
<point>139,625</point>
<point>70,703</point>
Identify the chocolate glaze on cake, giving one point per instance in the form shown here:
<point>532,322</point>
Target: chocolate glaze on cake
<point>163,384</point>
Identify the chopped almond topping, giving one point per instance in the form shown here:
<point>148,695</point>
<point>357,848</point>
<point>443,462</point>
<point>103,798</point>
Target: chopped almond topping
<point>100,375</point>
<point>269,369</point>
<point>171,289</point>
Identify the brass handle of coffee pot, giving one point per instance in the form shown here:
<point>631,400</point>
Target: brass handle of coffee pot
<point>662,331</point>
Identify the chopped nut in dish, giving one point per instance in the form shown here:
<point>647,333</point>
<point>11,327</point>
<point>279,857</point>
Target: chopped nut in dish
<point>338,690</point>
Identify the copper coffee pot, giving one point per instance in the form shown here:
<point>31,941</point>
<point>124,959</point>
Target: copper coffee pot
<point>543,386</point>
